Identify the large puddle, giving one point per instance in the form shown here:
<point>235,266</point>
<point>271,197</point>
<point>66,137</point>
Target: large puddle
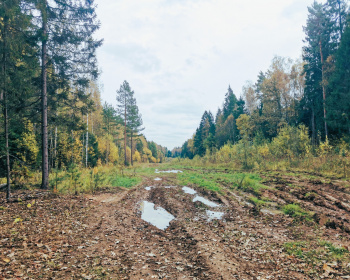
<point>156,216</point>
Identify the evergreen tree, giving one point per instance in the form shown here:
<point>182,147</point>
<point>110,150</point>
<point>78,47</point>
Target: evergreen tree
<point>125,97</point>
<point>17,61</point>
<point>68,50</point>
<point>320,45</point>
<point>229,103</point>
<point>134,123</point>
<point>339,98</point>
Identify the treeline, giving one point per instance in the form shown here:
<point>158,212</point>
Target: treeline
<point>309,96</point>
<point>51,111</point>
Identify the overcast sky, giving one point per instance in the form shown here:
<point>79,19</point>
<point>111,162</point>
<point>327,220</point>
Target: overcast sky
<point>180,56</point>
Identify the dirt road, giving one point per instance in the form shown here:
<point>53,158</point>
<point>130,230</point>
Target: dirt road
<point>106,238</point>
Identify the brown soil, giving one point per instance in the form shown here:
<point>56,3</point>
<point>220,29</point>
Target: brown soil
<point>102,236</point>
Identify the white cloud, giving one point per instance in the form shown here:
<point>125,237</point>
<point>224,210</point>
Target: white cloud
<point>180,56</point>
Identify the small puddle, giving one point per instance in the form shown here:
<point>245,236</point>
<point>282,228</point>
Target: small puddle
<point>199,198</point>
<point>148,188</point>
<point>214,215</point>
<point>168,171</point>
<point>205,201</point>
<point>157,179</point>
<point>169,187</point>
<point>156,216</point>
<point>188,190</point>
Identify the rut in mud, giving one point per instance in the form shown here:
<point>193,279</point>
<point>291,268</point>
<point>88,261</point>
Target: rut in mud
<point>112,241</point>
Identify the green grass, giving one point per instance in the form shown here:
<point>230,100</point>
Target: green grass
<point>126,182</point>
<point>316,253</point>
<point>296,211</point>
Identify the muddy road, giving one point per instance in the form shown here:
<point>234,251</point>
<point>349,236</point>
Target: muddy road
<point>230,239</point>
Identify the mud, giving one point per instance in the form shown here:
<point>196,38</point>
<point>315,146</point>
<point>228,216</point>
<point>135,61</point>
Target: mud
<point>242,243</point>
<point>235,240</point>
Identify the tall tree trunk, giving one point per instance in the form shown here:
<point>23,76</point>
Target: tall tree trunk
<point>125,160</point>
<point>132,163</point>
<point>340,21</point>
<point>87,140</point>
<point>324,93</point>
<point>313,128</point>
<point>45,159</point>
<point>6,124</point>
<point>55,148</point>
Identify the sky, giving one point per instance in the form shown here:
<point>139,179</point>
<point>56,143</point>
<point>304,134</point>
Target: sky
<point>180,56</point>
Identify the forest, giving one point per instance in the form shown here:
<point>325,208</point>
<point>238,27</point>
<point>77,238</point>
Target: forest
<point>296,110</point>
<point>53,117</point>
<point>260,191</point>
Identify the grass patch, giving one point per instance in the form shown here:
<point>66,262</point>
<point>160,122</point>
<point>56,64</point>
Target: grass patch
<point>199,180</point>
<point>316,254</point>
<point>256,201</point>
<point>126,182</point>
<point>296,211</point>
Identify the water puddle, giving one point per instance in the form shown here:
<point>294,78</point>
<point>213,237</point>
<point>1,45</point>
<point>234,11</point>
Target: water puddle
<point>168,171</point>
<point>156,216</point>
<point>205,201</point>
<point>169,187</point>
<point>148,188</point>
<point>269,212</point>
<point>214,215</point>
<point>188,190</point>
<point>157,179</point>
<point>199,198</point>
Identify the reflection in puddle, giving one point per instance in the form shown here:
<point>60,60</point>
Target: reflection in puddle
<point>148,188</point>
<point>157,179</point>
<point>214,215</point>
<point>156,216</point>
<point>189,190</point>
<point>168,171</point>
<point>199,198</point>
<point>205,201</point>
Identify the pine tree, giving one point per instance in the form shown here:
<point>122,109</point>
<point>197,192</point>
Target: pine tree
<point>125,98</point>
<point>134,123</point>
<point>67,51</point>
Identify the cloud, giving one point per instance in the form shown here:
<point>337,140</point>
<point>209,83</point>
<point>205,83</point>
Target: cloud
<point>180,56</point>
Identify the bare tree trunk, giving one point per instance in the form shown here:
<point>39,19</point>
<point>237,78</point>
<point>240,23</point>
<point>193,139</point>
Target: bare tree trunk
<point>132,163</point>
<point>45,159</point>
<point>4,96</point>
<point>125,160</point>
<point>313,128</point>
<point>87,140</point>
<point>324,93</point>
<point>55,148</point>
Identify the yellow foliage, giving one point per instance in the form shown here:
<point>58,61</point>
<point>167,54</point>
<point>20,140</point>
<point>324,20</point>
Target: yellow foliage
<point>27,144</point>
<point>137,156</point>
<point>324,148</point>
<point>108,149</point>
<point>264,151</point>
<point>153,159</point>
